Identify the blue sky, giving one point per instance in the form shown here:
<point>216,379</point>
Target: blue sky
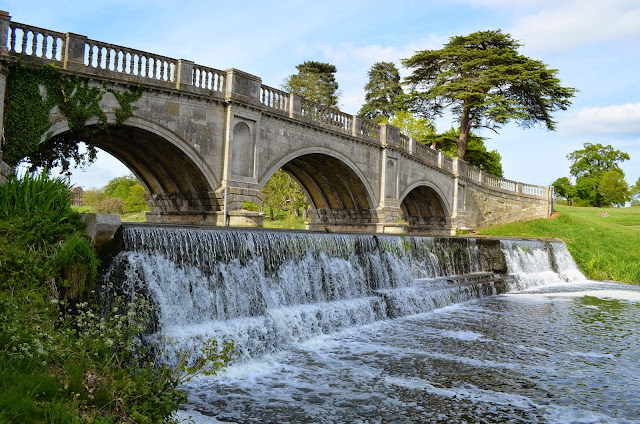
<point>593,44</point>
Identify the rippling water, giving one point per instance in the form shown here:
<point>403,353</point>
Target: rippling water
<point>566,353</point>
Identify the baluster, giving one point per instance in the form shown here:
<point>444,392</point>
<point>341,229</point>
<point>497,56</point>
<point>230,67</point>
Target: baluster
<point>208,78</point>
<point>139,65</point>
<point>25,35</point>
<point>12,42</point>
<point>194,78</point>
<point>146,66</point>
<point>34,44</point>
<point>99,64</point>
<point>44,46</point>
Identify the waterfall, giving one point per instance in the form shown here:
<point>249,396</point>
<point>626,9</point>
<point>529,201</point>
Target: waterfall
<point>267,290</point>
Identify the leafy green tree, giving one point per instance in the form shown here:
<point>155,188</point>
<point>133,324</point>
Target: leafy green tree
<point>599,178</point>
<point>489,161</point>
<point>314,81</point>
<point>283,192</point>
<point>613,188</point>
<point>563,188</point>
<point>119,187</point>
<point>419,128</point>
<point>589,165</point>
<point>92,196</point>
<point>635,193</point>
<point>381,92</point>
<point>483,80</point>
<point>135,201</point>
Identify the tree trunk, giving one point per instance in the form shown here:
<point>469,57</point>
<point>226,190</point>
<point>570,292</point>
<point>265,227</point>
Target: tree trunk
<point>465,129</point>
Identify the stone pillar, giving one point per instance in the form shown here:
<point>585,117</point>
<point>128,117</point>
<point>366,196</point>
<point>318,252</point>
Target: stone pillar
<point>295,105</point>
<point>74,52</point>
<point>389,135</point>
<point>356,125</point>
<point>411,145</point>
<point>242,86</point>
<point>4,31</point>
<point>185,74</point>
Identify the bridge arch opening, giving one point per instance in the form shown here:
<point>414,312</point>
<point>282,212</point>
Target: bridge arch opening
<point>178,188</point>
<point>337,196</point>
<point>425,211</point>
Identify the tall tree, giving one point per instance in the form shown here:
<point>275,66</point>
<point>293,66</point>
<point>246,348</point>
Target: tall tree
<point>483,80</point>
<point>314,81</point>
<point>599,178</point>
<point>489,161</point>
<point>381,92</point>
<point>419,128</point>
<point>589,165</point>
<point>283,192</point>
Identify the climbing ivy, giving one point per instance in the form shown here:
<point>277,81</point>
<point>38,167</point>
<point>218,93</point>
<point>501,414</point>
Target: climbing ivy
<point>32,93</point>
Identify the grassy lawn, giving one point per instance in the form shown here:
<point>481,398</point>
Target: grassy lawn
<point>605,248</point>
<point>125,217</point>
<point>284,221</point>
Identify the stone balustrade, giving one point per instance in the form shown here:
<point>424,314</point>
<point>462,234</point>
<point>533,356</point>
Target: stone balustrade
<point>75,53</point>
<point>39,43</point>
<point>274,98</point>
<point>208,78</point>
<point>113,59</point>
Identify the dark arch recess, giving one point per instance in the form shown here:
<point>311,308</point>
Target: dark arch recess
<point>423,209</point>
<point>163,169</point>
<point>333,189</point>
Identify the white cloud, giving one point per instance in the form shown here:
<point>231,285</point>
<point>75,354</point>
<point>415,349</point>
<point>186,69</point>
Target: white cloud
<point>616,119</point>
<point>571,23</point>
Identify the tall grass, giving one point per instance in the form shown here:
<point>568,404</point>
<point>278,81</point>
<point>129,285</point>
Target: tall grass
<point>35,194</point>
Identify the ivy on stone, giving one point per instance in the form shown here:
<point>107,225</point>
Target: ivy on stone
<point>32,94</point>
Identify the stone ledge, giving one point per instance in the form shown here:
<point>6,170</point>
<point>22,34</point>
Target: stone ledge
<point>101,227</point>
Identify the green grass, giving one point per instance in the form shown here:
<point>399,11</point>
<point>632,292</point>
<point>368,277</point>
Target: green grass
<point>139,216</point>
<point>605,248</point>
<point>284,221</point>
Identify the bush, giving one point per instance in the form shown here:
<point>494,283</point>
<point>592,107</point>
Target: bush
<point>79,267</point>
<point>110,205</point>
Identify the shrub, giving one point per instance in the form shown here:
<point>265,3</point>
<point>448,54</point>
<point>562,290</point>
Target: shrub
<point>110,205</point>
<point>79,266</point>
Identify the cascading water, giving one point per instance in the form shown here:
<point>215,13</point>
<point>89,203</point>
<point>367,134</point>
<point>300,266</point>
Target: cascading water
<point>268,290</point>
<point>370,329</point>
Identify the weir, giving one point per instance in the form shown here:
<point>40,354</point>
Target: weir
<point>267,291</point>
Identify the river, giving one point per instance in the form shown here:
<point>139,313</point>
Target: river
<point>362,329</point>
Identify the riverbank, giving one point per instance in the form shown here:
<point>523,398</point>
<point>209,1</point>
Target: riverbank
<point>605,243</point>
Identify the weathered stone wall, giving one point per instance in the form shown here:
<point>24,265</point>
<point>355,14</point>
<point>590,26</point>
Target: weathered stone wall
<point>484,207</point>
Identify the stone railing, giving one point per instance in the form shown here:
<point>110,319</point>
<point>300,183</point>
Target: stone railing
<point>534,190</point>
<point>426,153</point>
<point>39,43</point>
<point>208,78</point>
<point>326,115</point>
<point>274,99</point>
<point>113,59</point>
<point>75,53</point>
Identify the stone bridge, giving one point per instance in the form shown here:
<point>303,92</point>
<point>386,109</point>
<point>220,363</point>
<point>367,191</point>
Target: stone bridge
<point>202,141</point>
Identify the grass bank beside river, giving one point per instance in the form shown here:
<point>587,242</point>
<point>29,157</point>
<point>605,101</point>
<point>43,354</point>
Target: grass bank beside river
<point>604,247</point>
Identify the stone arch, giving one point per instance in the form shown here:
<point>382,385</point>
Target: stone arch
<point>339,193</point>
<point>424,207</point>
<point>242,151</point>
<point>172,172</point>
